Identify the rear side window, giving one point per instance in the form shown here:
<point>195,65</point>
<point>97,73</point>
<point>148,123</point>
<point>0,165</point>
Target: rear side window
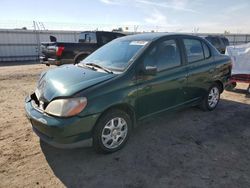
<point>194,50</point>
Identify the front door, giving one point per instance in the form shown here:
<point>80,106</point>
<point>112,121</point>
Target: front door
<point>163,90</point>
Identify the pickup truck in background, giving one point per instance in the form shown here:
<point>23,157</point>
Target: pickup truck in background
<point>59,53</point>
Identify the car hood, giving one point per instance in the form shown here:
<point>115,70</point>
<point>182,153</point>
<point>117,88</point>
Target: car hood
<point>67,80</point>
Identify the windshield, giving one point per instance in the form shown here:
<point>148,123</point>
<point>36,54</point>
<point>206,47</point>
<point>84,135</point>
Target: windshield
<point>115,55</point>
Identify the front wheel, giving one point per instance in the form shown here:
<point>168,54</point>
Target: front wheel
<point>112,131</point>
<point>211,99</point>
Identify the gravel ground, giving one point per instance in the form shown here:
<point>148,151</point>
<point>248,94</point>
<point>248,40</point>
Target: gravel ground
<point>188,148</point>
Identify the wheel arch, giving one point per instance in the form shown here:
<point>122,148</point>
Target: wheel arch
<point>220,84</point>
<point>123,107</point>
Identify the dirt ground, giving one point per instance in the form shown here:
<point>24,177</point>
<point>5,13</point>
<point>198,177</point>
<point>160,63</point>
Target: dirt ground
<point>188,148</point>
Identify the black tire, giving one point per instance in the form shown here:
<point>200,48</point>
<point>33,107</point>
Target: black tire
<point>205,105</point>
<point>99,128</point>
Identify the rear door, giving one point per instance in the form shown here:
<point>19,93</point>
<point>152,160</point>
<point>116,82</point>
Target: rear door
<point>200,68</point>
<point>165,89</point>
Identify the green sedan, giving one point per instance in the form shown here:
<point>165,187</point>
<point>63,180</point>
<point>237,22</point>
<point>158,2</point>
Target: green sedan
<point>100,100</point>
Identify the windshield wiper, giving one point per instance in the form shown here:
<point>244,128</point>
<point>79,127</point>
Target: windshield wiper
<point>99,67</point>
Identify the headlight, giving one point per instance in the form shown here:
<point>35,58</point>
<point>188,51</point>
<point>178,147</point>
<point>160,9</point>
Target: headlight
<point>66,107</point>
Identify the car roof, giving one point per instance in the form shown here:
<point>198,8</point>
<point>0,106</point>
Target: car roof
<point>152,36</point>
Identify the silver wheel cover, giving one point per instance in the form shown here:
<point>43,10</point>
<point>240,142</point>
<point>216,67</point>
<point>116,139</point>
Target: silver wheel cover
<point>213,97</point>
<point>114,133</point>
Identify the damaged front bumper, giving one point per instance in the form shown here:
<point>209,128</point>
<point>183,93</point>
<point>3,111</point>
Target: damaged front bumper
<point>59,132</point>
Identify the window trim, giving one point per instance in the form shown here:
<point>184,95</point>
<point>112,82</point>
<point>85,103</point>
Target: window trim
<point>210,54</point>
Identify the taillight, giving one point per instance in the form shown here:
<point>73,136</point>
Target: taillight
<point>59,51</point>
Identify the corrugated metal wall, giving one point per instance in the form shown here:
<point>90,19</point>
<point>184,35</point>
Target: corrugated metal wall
<point>23,45</point>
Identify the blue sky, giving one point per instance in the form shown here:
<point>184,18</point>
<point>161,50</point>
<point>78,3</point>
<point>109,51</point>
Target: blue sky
<point>162,15</point>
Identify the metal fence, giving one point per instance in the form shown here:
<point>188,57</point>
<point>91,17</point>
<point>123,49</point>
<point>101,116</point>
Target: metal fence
<point>23,45</point>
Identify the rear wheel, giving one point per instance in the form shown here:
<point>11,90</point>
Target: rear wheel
<point>211,99</point>
<point>112,131</point>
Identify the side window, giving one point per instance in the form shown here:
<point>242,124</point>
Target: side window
<point>207,53</point>
<point>194,50</point>
<point>163,55</point>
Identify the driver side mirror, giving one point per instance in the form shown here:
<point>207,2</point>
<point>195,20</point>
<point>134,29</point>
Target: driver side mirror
<point>150,70</point>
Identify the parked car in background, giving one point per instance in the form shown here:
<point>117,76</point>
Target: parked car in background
<point>58,53</point>
<point>219,42</point>
<point>131,78</point>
